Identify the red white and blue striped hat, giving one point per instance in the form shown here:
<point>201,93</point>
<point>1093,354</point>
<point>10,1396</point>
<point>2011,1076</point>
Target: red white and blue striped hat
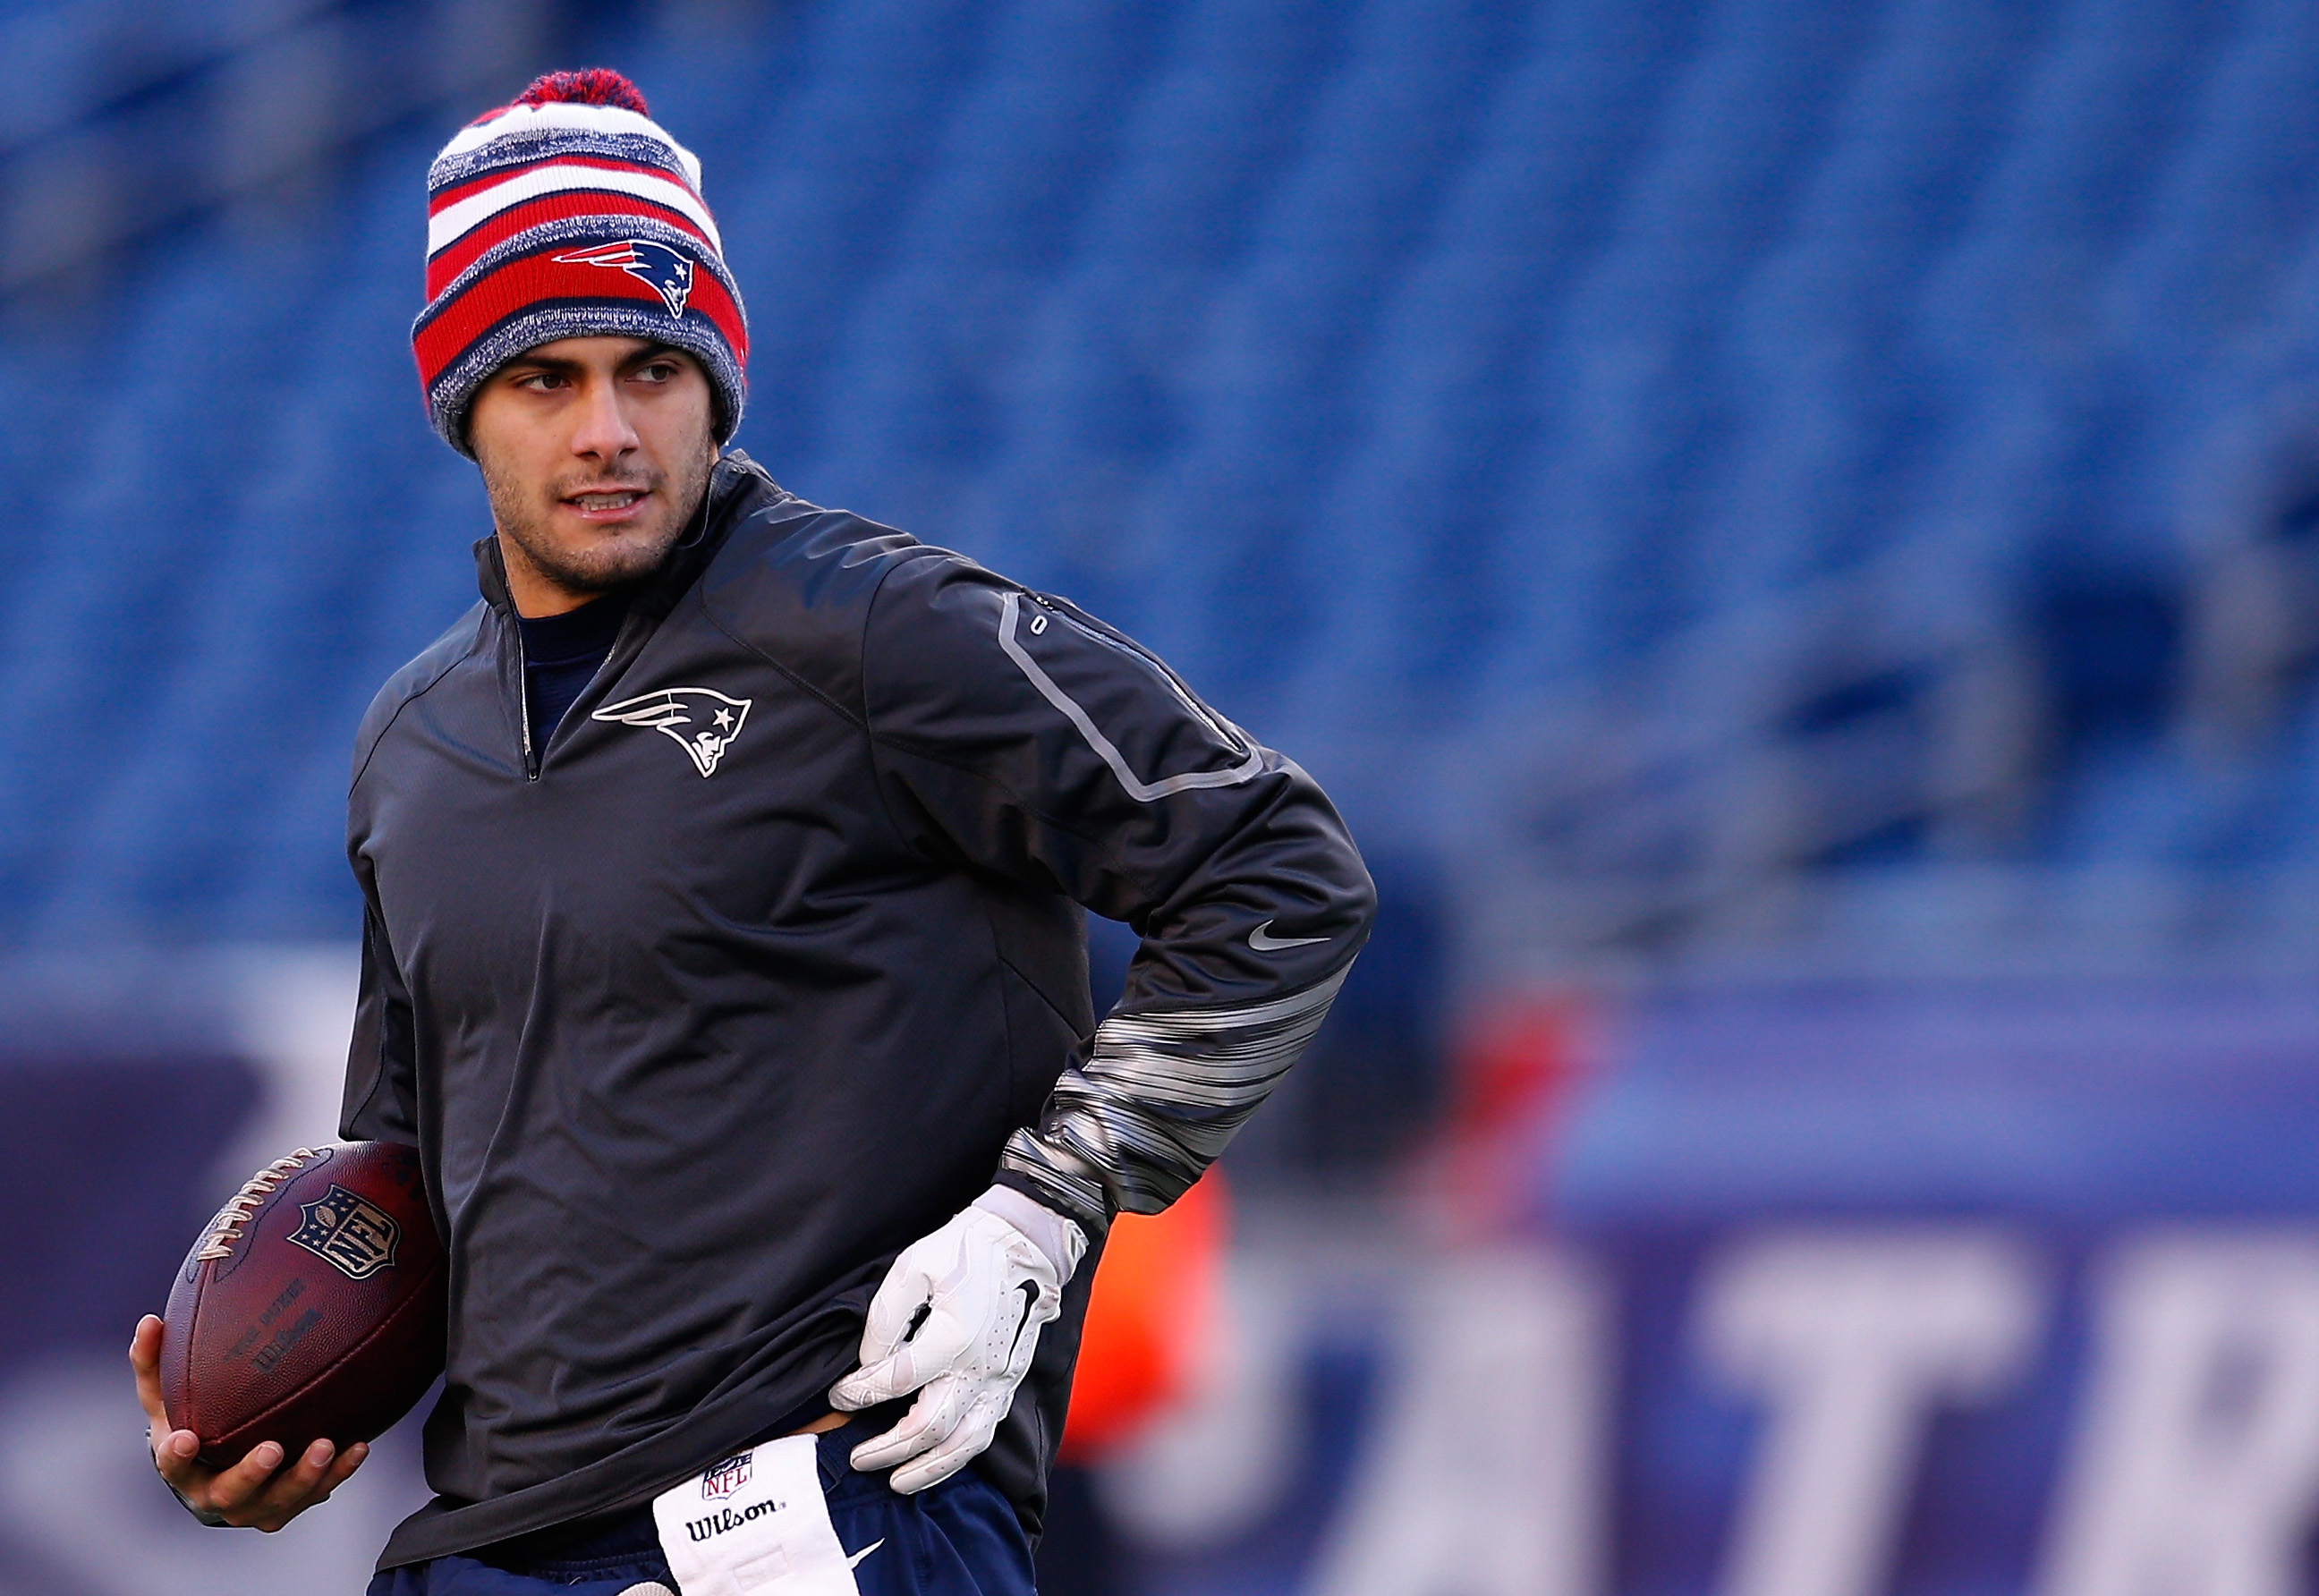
<point>571,213</point>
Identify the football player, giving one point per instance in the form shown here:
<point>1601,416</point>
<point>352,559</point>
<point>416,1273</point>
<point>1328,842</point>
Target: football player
<point>724,958</point>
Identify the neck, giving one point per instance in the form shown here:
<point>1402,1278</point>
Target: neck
<point>535,594</point>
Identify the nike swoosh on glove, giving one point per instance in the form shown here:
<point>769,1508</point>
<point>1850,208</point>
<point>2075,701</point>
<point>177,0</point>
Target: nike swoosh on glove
<point>956,1320</point>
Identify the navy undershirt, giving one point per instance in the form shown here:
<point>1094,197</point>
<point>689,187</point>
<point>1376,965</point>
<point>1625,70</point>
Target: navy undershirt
<point>562,653</point>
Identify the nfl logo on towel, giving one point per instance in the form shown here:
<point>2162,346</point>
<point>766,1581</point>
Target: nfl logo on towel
<point>727,1477</point>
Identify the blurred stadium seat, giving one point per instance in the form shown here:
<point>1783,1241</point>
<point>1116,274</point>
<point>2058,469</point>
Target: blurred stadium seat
<point>1781,463</point>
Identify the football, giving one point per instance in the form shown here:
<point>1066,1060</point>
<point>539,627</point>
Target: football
<point>310,1308</point>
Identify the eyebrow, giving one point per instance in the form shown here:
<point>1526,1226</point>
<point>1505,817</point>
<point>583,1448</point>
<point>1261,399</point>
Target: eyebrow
<point>644,357</point>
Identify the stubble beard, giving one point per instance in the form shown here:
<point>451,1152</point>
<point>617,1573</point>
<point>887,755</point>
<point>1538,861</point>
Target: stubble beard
<point>526,514</point>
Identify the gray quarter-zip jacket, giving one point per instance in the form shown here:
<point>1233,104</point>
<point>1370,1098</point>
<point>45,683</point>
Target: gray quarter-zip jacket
<point>771,959</point>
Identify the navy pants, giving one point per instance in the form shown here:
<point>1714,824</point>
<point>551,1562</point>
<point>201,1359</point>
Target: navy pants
<point>958,1538</point>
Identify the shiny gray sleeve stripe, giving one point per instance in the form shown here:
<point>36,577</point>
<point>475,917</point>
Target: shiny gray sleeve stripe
<point>1192,1021</point>
<point>1143,792</point>
<point>1159,1097</point>
<point>1179,1077</point>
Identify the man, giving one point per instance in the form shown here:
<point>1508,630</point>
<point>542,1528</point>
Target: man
<point>724,873</point>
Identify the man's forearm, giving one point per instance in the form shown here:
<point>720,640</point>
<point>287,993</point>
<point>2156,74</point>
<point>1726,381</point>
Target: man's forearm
<point>1158,1099</point>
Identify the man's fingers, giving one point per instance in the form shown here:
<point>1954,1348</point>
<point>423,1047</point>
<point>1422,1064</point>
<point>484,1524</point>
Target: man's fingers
<point>344,1468</point>
<point>929,1421</point>
<point>286,1493</point>
<point>894,1313</point>
<point>145,1361</point>
<point>237,1487</point>
<point>321,1471</point>
<point>175,1453</point>
<point>253,1495</point>
<point>936,1349</point>
<point>906,1440</point>
<point>295,1488</point>
<point>978,1290</point>
<point>295,1483</point>
<point>930,1468</point>
<point>961,1446</point>
<point>258,1492</point>
<point>900,1374</point>
<point>865,1388</point>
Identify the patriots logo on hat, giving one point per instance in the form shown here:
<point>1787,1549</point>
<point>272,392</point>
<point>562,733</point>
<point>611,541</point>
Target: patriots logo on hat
<point>655,264</point>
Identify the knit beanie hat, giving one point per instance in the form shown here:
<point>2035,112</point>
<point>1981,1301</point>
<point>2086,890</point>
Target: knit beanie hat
<point>571,213</point>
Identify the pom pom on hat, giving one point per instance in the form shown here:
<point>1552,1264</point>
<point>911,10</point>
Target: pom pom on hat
<point>591,85</point>
<point>569,213</point>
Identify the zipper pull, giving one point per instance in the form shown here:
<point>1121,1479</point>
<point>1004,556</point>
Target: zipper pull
<point>523,699</point>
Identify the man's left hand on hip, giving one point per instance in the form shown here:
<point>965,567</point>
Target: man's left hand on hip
<point>957,1321</point>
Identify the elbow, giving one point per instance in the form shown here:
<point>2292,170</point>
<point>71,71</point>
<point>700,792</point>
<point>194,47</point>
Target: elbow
<point>1353,897</point>
<point>1361,899</point>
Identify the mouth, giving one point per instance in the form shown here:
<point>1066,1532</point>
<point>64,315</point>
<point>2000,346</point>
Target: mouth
<point>608,504</point>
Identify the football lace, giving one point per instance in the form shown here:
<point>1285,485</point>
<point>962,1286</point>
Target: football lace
<point>240,1208</point>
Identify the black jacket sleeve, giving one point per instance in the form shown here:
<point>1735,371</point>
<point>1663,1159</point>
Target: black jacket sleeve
<point>1017,735</point>
<point>380,1093</point>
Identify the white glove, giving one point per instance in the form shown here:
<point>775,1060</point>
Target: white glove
<point>957,1320</point>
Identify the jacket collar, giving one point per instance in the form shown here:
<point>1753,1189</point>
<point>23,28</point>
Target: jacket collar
<point>736,484</point>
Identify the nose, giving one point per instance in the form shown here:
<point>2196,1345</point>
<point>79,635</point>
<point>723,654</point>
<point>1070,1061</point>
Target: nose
<point>602,431</point>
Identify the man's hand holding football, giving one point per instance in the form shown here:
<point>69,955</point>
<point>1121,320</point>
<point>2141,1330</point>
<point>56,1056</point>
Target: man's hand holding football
<point>255,1493</point>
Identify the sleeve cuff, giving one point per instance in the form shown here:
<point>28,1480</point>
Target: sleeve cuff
<point>1060,1239</point>
<point>1060,1179</point>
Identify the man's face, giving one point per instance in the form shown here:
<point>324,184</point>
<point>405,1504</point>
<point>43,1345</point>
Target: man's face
<point>595,454</point>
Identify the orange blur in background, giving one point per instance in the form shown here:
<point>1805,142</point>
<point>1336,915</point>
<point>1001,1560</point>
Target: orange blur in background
<point>1149,1317</point>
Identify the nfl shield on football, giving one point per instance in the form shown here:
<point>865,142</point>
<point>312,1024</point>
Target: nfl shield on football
<point>310,1308</point>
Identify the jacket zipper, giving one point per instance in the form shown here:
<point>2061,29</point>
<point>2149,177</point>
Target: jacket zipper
<point>523,665</point>
<point>531,755</point>
<point>523,700</point>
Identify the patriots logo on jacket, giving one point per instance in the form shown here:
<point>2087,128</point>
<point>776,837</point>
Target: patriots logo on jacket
<point>655,264</point>
<point>700,721</point>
